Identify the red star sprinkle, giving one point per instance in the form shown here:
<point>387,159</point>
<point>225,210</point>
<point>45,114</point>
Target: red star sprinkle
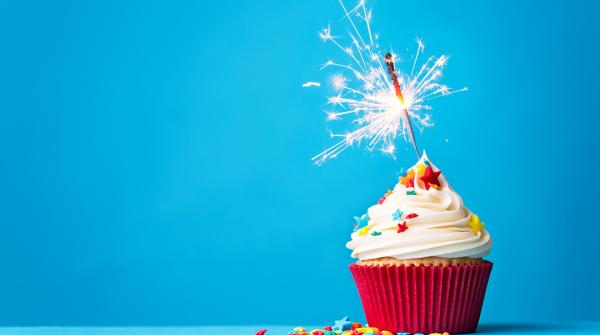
<point>327,328</point>
<point>402,227</point>
<point>430,177</point>
<point>411,216</point>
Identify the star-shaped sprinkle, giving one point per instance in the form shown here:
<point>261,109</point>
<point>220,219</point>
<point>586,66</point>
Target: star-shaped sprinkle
<point>409,179</point>
<point>411,192</point>
<point>402,227</point>
<point>362,220</point>
<point>420,169</point>
<point>363,231</point>
<point>375,233</point>
<point>411,216</point>
<point>475,224</point>
<point>397,214</point>
<point>342,324</point>
<point>430,177</point>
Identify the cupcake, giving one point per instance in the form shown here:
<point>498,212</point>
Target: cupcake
<point>419,249</point>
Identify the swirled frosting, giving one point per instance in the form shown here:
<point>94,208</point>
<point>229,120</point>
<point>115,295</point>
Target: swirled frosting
<point>421,217</point>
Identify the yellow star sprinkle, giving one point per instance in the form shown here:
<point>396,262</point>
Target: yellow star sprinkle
<point>475,224</point>
<point>363,231</point>
<point>420,169</point>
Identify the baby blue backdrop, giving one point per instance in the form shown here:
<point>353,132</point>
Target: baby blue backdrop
<point>156,164</point>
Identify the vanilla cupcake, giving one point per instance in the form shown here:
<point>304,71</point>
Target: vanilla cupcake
<point>419,249</point>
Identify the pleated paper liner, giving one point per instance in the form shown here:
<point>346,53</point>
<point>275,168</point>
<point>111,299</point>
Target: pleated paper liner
<point>422,299</point>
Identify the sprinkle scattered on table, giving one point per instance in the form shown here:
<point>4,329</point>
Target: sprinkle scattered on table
<point>344,326</point>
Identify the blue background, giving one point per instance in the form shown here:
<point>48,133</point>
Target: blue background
<point>155,158</point>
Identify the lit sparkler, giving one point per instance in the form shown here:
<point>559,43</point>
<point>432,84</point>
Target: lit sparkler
<point>382,105</point>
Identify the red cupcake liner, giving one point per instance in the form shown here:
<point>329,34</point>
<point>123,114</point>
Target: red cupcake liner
<point>422,299</point>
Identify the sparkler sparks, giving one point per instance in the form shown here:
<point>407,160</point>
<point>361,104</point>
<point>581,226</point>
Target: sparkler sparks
<point>311,84</point>
<point>381,99</point>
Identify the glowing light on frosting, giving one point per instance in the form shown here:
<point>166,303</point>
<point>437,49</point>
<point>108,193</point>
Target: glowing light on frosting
<point>381,99</point>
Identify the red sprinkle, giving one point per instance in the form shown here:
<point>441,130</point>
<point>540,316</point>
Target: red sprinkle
<point>317,332</point>
<point>402,227</point>
<point>328,328</point>
<point>411,216</point>
<point>356,325</point>
<point>261,332</point>
<point>430,177</point>
<point>381,200</point>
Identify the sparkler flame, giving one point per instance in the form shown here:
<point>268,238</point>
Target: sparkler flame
<point>382,105</point>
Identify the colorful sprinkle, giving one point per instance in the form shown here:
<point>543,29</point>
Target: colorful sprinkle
<point>342,324</point>
<point>299,329</point>
<point>397,215</point>
<point>411,216</point>
<point>317,332</point>
<point>402,227</point>
<point>408,180</point>
<point>411,192</point>
<point>261,332</point>
<point>356,325</point>
<point>430,177</point>
<point>362,220</point>
<point>388,193</point>
<point>420,169</point>
<point>475,224</point>
<point>381,200</point>
<point>367,330</point>
<point>327,328</point>
<point>363,231</point>
<point>375,233</point>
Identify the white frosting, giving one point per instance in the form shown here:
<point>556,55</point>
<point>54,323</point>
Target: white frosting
<point>441,228</point>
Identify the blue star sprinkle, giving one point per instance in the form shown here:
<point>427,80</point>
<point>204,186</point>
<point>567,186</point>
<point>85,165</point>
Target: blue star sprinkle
<point>397,215</point>
<point>361,221</point>
<point>343,324</point>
